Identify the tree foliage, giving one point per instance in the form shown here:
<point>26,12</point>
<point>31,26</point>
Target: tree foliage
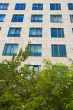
<point>25,89</point>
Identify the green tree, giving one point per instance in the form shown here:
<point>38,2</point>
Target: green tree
<point>25,89</point>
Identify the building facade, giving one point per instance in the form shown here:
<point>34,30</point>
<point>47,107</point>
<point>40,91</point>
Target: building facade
<point>48,24</point>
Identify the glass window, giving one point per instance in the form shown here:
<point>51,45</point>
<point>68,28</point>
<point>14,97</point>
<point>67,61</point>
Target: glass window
<point>56,18</point>
<point>35,50</point>
<point>20,6</point>
<point>36,68</point>
<point>37,18</point>
<point>55,6</point>
<point>2,17</point>
<point>14,32</point>
<point>70,6</point>
<point>57,32</point>
<point>35,32</point>
<point>10,49</point>
<point>72,30</point>
<point>4,6</point>
<point>37,7</point>
<point>17,18</point>
<point>59,51</point>
<point>71,18</point>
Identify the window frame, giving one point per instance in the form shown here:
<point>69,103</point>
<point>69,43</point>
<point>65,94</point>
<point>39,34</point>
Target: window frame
<point>14,29</point>
<point>57,33</point>
<point>3,17</point>
<point>4,4</point>
<point>58,50</point>
<point>19,6</point>
<point>17,18</point>
<point>56,18</point>
<point>36,18</point>
<point>35,47</point>
<point>55,6</point>
<point>5,53</point>
<point>37,6</point>
<point>36,31</point>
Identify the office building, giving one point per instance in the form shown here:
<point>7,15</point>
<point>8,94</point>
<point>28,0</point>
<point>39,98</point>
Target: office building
<point>48,24</point>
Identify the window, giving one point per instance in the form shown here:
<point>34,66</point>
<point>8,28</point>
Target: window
<point>71,18</point>
<point>72,30</point>
<point>55,6</point>
<point>37,7</point>
<point>59,51</point>
<point>70,6</point>
<point>4,6</point>
<point>36,68</point>
<point>2,17</point>
<point>37,18</point>
<point>57,32</point>
<point>56,18</point>
<point>35,32</point>
<point>19,6</point>
<point>35,50</point>
<point>14,32</point>
<point>17,18</point>
<point>10,49</point>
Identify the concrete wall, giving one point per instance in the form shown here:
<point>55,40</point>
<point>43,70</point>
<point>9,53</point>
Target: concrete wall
<point>46,39</point>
